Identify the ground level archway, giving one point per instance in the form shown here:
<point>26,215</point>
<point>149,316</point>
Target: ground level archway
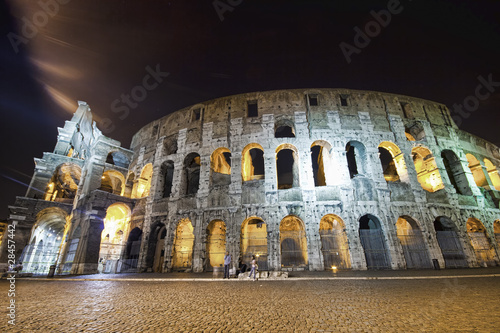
<point>412,242</point>
<point>216,244</point>
<point>114,238</point>
<point>293,243</point>
<point>182,252</point>
<point>254,242</point>
<point>334,244</point>
<point>484,250</point>
<point>373,243</point>
<point>450,243</point>
<point>45,242</point>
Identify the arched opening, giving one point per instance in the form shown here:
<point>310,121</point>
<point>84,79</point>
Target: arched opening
<point>220,167</point>
<point>427,171</point>
<point>113,182</point>
<point>116,225</point>
<point>129,185</point>
<point>253,241</point>
<point>45,241</point>
<point>191,174</point>
<point>73,246</point>
<point>321,162</point>
<point>356,158</point>
<point>287,166</point>
<point>118,158</point>
<point>456,172</point>
<point>450,243</point>
<point>373,243</point>
<point>334,244</point>
<point>485,252</point>
<point>182,253</point>
<point>216,244</point>
<point>143,184</point>
<point>412,242</point>
<point>477,171</point>
<point>159,256</point>
<point>132,250</point>
<point>252,162</point>
<point>493,173</point>
<point>64,183</point>
<point>167,171</point>
<point>293,243</point>
<point>496,230</point>
<point>393,162</point>
<point>284,128</point>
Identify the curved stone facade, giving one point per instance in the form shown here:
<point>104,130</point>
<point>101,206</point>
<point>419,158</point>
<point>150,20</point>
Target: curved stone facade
<point>305,179</point>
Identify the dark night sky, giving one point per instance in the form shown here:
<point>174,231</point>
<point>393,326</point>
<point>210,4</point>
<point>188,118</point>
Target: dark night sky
<point>96,50</point>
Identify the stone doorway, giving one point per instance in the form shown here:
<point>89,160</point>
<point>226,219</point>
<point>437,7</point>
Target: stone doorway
<point>372,240</point>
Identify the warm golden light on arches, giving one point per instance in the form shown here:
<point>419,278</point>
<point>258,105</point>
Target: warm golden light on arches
<point>251,155</point>
<point>493,173</point>
<point>216,243</point>
<point>182,252</point>
<point>427,170</point>
<point>477,171</point>
<point>398,162</point>
<point>143,184</point>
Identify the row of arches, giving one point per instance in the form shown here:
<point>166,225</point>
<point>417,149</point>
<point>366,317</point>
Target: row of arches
<point>113,181</point>
<point>66,178</point>
<point>120,244</point>
<point>118,251</point>
<point>334,242</point>
<point>391,158</point>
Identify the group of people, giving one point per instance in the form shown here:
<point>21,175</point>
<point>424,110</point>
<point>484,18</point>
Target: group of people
<point>242,267</point>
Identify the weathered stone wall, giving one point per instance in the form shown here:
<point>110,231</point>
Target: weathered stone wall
<point>332,118</point>
<point>369,118</point>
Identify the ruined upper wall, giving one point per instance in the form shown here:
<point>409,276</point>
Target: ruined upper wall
<point>284,103</point>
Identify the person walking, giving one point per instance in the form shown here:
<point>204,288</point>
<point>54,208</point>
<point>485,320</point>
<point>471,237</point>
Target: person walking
<point>253,264</point>
<point>227,262</point>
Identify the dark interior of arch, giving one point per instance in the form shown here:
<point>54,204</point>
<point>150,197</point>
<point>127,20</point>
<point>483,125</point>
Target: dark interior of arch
<point>285,169</point>
<point>443,224</point>
<point>368,222</point>
<point>284,131</point>
<point>388,165</point>
<point>168,176</point>
<point>117,158</point>
<point>257,156</point>
<point>351,160</point>
<point>192,173</point>
<point>317,165</point>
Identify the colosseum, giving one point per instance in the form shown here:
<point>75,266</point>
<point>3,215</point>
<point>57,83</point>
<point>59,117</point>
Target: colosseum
<point>304,179</point>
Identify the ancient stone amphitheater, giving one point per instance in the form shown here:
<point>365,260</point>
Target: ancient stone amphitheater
<point>305,179</point>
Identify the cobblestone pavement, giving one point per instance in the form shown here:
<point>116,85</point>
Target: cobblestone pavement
<point>435,305</point>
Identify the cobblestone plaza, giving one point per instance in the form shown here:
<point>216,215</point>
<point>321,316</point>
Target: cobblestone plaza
<point>387,304</point>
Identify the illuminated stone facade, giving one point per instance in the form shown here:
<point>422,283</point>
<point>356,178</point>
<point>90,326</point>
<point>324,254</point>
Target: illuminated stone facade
<point>305,179</point>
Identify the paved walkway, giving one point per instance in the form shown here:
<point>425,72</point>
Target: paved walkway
<point>299,275</point>
<point>303,303</point>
